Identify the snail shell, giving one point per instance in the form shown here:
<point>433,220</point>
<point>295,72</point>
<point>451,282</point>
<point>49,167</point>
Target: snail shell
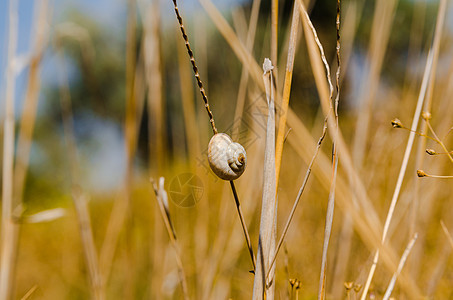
<point>227,159</point>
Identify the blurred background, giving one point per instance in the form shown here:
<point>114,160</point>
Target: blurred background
<point>102,98</point>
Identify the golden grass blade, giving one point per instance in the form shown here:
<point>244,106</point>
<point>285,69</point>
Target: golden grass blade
<point>29,293</point>
<point>420,155</point>
<point>239,49</point>
<point>439,270</point>
<point>121,206</point>
<point>323,90</point>
<point>154,81</point>
<point>83,216</point>
<point>286,89</point>
<point>266,242</point>
<point>367,227</point>
<point>382,25</point>
<point>404,164</point>
<point>162,200</point>
<point>296,202</point>
<point>274,33</point>
<point>245,74</point>
<point>389,290</point>
<point>9,228</point>
<point>331,201</point>
<point>214,129</point>
<point>89,247</point>
<point>43,216</point>
<point>27,122</point>
<point>447,233</point>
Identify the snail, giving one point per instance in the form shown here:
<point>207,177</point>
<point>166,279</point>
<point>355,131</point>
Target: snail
<point>227,159</point>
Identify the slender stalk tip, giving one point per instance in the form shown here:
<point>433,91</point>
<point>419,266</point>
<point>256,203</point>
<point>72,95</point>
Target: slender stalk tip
<point>421,173</point>
<point>426,115</point>
<point>349,285</point>
<point>396,123</point>
<point>431,152</point>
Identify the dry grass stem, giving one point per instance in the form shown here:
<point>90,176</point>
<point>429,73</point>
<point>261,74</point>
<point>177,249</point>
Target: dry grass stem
<point>86,232</point>
<point>331,201</point>
<point>428,123</point>
<point>244,73</point>
<point>243,225</point>
<point>367,227</point>
<point>389,290</point>
<point>266,241</point>
<point>286,89</point>
<point>274,32</point>
<point>121,206</point>
<point>214,129</point>
<point>421,173</point>
<point>447,233</point>
<point>404,164</point>
<point>80,202</point>
<point>299,194</point>
<point>195,68</point>
<point>29,293</point>
<point>9,228</point>
<point>323,89</point>
<point>162,200</point>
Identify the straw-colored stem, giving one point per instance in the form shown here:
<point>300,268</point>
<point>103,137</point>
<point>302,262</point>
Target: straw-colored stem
<point>27,122</point>
<point>9,228</point>
<point>404,164</point>
<point>161,196</point>
<point>121,206</point>
<point>331,201</point>
<point>245,74</point>
<point>214,129</point>
<point>266,241</point>
<point>274,33</point>
<point>388,293</point>
<point>439,141</point>
<point>89,248</point>
<point>80,202</point>
<point>286,90</point>
<point>364,216</point>
<point>296,202</point>
<point>29,293</point>
<point>447,233</point>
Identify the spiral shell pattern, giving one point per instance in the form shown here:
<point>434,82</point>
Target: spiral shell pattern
<point>227,159</point>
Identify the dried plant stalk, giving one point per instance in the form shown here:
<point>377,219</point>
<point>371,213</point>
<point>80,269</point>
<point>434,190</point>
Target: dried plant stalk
<point>404,164</point>
<point>214,129</point>
<point>9,228</point>
<point>389,290</point>
<point>331,201</point>
<point>162,200</point>
<point>286,89</point>
<point>266,240</point>
<point>364,216</point>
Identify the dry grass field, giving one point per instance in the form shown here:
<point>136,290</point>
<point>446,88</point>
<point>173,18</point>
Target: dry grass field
<point>107,192</point>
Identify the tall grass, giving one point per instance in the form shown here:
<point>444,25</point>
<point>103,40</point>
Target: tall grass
<point>328,180</point>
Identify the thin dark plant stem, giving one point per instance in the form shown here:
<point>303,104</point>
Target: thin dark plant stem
<point>214,129</point>
<point>195,68</point>
<point>244,226</point>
